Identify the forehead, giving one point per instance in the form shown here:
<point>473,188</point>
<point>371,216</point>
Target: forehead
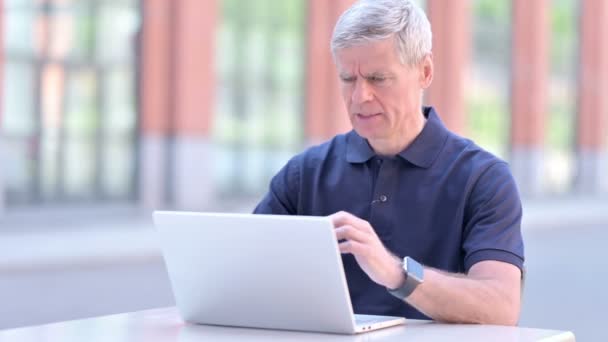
<point>368,57</point>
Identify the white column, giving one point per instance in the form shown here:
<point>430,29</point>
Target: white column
<point>192,179</point>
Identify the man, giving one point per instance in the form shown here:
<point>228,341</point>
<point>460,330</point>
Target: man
<point>428,222</point>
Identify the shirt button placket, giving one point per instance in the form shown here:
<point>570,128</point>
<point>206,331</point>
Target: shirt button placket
<point>381,211</point>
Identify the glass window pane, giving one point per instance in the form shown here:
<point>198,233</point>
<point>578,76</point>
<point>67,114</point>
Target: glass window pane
<point>53,93</point>
<point>119,126</point>
<point>260,70</point>
<point>81,112</point>
<point>72,30</point>
<point>488,95</point>
<point>19,29</point>
<point>56,142</point>
<point>16,4</point>
<point>421,3</point>
<point>118,167</point>
<point>81,123</point>
<point>49,156</point>
<point>18,112</point>
<point>17,168</point>
<point>79,167</point>
<point>117,26</point>
<point>51,111</point>
<point>562,96</point>
<point>119,108</point>
<point>63,26</point>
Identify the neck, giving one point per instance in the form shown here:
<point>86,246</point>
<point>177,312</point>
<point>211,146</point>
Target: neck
<point>393,145</point>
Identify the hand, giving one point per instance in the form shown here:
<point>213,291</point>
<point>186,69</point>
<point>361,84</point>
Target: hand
<point>361,241</point>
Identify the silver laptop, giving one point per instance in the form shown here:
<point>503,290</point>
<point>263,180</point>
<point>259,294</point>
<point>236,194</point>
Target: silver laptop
<point>261,271</point>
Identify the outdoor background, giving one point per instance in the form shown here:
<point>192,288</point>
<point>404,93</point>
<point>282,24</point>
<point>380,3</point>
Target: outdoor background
<point>110,109</point>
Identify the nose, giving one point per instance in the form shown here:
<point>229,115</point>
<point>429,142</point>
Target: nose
<point>362,92</point>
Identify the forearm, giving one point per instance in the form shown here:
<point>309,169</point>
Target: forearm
<point>458,298</point>
<point>488,294</point>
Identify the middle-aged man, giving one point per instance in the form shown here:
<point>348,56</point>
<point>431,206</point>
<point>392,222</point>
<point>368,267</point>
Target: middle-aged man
<point>428,222</point>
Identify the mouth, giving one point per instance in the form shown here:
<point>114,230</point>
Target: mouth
<point>366,117</point>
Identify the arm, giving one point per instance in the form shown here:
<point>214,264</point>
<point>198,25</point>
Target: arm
<point>488,294</point>
<point>282,196</point>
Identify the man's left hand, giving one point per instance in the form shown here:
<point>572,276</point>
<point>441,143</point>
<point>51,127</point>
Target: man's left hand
<point>360,240</point>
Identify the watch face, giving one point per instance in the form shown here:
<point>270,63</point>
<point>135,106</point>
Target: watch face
<point>414,269</point>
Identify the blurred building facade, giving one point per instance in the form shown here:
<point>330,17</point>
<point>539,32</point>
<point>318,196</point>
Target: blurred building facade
<point>69,122</point>
<point>190,104</point>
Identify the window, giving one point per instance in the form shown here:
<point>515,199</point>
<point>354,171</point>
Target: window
<point>562,99</point>
<point>488,98</point>
<point>69,116</point>
<point>259,123</point>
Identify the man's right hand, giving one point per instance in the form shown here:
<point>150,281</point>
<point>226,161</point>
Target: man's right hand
<point>361,240</point>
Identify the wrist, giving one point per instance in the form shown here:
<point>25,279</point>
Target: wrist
<point>397,276</point>
<point>413,272</point>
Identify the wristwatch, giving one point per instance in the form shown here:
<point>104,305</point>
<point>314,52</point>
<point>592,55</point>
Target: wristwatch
<point>414,276</point>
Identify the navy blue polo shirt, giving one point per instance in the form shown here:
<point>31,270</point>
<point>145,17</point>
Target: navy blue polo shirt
<point>443,201</point>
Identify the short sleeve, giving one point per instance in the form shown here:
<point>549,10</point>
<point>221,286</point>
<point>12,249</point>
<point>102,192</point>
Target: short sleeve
<point>282,196</point>
<point>492,229</point>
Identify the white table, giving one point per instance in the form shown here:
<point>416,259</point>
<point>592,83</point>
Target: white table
<point>165,325</point>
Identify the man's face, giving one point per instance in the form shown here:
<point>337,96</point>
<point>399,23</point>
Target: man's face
<point>382,95</point>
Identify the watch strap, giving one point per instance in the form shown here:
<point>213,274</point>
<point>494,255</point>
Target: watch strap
<point>413,278</point>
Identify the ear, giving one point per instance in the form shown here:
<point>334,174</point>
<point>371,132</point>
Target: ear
<point>426,71</point>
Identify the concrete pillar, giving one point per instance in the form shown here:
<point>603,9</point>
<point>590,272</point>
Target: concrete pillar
<point>194,95</point>
<point>451,25</point>
<point>156,105</point>
<point>592,120</point>
<point>325,112</point>
<point>529,93</point>
<point>177,102</point>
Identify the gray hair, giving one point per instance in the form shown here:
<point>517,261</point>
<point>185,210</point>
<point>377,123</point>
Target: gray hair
<point>373,20</point>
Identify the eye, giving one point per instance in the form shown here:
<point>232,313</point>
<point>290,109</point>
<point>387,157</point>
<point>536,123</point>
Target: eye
<point>377,79</point>
<point>348,79</point>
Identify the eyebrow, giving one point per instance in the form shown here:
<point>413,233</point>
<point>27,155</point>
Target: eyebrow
<point>384,74</point>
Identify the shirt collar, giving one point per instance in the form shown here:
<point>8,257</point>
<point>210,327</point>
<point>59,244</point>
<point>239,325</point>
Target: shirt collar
<point>357,149</point>
<point>422,152</point>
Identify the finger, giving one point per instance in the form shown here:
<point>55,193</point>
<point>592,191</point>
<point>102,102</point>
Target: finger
<point>351,233</point>
<point>343,218</point>
<point>340,218</point>
<point>352,247</point>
